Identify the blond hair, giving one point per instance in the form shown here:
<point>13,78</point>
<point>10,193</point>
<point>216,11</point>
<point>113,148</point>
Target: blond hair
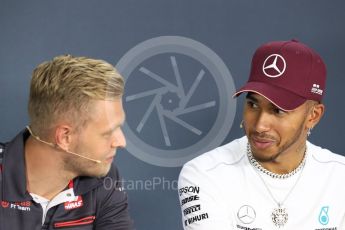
<point>65,86</point>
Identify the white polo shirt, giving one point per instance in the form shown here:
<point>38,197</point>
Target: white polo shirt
<point>62,197</point>
<point>221,190</point>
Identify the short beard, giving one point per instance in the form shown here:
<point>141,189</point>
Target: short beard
<point>82,167</point>
<point>288,145</point>
<point>282,149</point>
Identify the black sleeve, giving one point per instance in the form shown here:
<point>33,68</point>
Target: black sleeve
<point>112,204</point>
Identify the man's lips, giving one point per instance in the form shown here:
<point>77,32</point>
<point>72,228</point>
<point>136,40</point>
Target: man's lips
<point>261,143</point>
<point>110,159</point>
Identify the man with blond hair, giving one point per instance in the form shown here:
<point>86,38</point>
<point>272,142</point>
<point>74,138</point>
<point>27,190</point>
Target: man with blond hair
<point>52,173</point>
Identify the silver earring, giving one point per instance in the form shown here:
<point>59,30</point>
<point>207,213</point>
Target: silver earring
<point>241,124</point>
<point>309,131</point>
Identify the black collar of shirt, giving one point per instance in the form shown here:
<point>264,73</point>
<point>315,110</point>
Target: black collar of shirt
<point>14,173</point>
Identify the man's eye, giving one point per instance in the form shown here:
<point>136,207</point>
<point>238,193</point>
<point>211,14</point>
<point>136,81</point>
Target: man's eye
<point>106,135</point>
<point>252,104</point>
<point>279,111</point>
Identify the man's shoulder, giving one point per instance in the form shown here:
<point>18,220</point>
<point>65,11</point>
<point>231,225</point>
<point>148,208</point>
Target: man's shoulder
<point>325,156</point>
<point>228,154</point>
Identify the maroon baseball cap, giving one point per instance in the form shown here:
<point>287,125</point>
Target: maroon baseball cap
<point>287,73</point>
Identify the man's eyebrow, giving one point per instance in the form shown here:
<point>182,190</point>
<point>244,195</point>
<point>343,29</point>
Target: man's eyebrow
<point>251,97</point>
<point>254,99</point>
<point>109,131</point>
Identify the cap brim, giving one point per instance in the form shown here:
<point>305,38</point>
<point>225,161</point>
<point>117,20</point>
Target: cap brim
<point>282,98</point>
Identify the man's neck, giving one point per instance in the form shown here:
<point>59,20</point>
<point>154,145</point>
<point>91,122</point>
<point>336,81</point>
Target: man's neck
<point>45,175</point>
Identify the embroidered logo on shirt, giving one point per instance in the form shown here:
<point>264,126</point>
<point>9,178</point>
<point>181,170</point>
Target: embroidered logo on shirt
<point>74,204</point>
<point>323,217</point>
<point>196,218</point>
<point>189,199</point>
<point>5,204</point>
<point>246,214</point>
<point>22,206</point>
<point>189,189</point>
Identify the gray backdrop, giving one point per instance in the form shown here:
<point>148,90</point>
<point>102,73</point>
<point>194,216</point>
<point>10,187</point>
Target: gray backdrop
<point>210,39</point>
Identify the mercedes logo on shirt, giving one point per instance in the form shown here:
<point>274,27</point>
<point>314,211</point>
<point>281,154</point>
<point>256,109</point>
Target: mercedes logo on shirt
<point>246,214</point>
<point>274,66</point>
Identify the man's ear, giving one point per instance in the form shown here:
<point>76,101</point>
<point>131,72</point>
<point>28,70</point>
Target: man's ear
<point>63,136</point>
<point>315,114</point>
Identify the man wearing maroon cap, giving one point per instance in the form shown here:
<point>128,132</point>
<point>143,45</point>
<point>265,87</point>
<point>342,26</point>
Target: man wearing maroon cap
<point>273,177</point>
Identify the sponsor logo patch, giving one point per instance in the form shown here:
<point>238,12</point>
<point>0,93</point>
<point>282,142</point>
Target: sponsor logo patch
<point>189,199</point>
<point>196,219</point>
<point>316,89</point>
<point>22,206</point>
<point>189,189</point>
<point>74,204</point>
<point>246,214</point>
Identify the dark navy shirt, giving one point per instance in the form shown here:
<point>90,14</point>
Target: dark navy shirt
<point>99,207</point>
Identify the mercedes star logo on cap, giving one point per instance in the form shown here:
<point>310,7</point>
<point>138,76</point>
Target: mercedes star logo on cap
<point>274,65</point>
